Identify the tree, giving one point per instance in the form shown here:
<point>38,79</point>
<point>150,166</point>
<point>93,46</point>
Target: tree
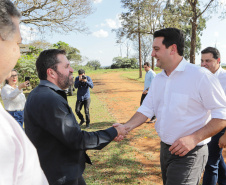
<point>93,64</point>
<point>178,15</point>
<point>196,14</point>
<point>119,62</point>
<point>73,54</point>
<point>26,66</point>
<point>142,17</point>
<point>146,47</point>
<point>60,15</point>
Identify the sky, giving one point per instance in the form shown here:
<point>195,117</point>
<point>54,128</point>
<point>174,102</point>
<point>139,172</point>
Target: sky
<point>100,43</point>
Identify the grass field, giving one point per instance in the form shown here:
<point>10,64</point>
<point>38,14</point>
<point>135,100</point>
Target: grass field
<point>115,164</point>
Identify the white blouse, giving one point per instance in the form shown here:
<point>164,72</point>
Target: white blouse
<point>13,99</point>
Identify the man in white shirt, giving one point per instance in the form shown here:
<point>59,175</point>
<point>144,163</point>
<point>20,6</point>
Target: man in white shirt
<point>149,76</point>
<point>182,97</point>
<point>215,170</point>
<point>19,163</point>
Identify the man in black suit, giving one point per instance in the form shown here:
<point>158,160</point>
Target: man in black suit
<point>52,127</point>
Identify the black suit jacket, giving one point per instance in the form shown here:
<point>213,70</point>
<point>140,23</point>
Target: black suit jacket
<point>52,127</point>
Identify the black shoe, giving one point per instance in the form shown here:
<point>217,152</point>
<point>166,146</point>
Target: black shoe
<point>87,126</point>
<point>81,122</point>
<point>153,120</point>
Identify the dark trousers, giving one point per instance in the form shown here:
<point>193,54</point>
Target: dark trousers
<point>142,98</point>
<point>78,108</point>
<point>78,181</point>
<point>215,170</point>
<point>18,115</point>
<point>141,101</point>
<point>186,170</point>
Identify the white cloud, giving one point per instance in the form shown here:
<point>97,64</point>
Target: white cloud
<point>97,1</point>
<point>111,23</point>
<point>100,33</point>
<point>216,34</point>
<point>100,51</point>
<point>28,34</point>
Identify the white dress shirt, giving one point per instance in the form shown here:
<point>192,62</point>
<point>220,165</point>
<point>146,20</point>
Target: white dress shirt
<point>183,101</point>
<point>13,99</point>
<point>221,75</point>
<point>19,163</point>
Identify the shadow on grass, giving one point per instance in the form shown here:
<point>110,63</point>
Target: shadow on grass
<point>117,164</point>
<point>98,126</point>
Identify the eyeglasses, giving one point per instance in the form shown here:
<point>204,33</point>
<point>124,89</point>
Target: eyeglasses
<point>13,76</point>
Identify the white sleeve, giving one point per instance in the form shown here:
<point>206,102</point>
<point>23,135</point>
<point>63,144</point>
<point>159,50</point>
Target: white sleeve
<point>212,96</point>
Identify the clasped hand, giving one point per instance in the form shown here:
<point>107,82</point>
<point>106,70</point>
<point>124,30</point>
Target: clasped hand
<point>122,131</point>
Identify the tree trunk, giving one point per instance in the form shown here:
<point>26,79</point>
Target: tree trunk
<point>152,63</point>
<point>139,40</point>
<point>140,62</point>
<point>193,41</point>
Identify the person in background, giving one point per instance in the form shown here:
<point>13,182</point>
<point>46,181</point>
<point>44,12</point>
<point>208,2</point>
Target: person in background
<point>149,76</point>
<point>83,83</point>
<point>19,162</point>
<point>14,98</point>
<point>215,170</point>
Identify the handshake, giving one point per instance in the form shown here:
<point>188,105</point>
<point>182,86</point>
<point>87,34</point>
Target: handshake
<point>122,131</point>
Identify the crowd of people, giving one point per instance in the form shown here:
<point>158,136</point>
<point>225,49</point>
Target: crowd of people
<point>188,101</point>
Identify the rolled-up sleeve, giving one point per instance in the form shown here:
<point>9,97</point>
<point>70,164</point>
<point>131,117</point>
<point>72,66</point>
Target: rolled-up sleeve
<point>212,95</point>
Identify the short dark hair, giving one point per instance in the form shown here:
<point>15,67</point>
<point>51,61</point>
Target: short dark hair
<point>81,71</point>
<point>7,11</point>
<point>147,64</point>
<point>47,59</point>
<point>214,51</point>
<point>172,36</point>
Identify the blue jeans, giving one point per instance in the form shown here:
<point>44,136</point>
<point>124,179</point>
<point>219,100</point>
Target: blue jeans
<point>18,115</point>
<point>215,170</point>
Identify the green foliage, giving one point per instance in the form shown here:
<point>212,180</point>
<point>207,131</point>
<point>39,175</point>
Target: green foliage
<point>94,64</point>
<point>178,15</point>
<point>73,54</point>
<point>119,62</point>
<point>26,67</point>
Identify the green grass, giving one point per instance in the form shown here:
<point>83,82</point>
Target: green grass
<point>115,164</point>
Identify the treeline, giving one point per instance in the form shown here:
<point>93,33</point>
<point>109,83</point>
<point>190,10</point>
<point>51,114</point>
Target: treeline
<point>119,62</point>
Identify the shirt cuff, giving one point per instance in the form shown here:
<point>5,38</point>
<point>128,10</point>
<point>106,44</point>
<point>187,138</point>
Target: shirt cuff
<point>112,132</point>
<point>219,113</point>
<point>143,110</point>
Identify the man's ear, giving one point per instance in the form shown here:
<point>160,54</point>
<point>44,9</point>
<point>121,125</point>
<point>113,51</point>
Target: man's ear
<point>51,73</point>
<point>218,60</point>
<point>173,49</point>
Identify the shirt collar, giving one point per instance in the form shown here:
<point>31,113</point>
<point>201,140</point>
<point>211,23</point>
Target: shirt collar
<point>218,71</point>
<point>54,87</point>
<point>181,67</point>
<point>50,84</point>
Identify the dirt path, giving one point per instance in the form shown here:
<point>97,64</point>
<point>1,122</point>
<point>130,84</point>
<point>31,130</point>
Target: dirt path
<point>122,97</point>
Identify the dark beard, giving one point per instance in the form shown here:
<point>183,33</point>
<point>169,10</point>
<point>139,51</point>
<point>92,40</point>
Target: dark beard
<point>64,81</point>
